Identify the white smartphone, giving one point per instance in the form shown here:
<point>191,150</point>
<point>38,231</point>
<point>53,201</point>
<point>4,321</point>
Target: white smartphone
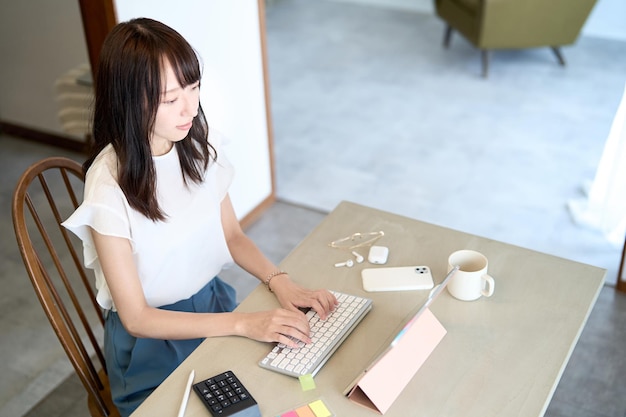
<point>399,278</point>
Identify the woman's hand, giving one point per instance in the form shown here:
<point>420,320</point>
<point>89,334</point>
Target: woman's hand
<point>278,325</point>
<point>292,296</point>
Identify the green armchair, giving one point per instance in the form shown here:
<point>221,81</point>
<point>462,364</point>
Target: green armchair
<point>514,24</point>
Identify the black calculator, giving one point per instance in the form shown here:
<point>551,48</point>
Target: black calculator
<point>224,395</point>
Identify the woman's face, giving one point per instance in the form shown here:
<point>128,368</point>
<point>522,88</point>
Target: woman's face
<point>176,111</point>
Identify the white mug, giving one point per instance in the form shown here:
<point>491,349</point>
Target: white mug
<point>471,281</point>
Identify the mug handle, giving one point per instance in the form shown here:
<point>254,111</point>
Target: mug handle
<point>488,285</point>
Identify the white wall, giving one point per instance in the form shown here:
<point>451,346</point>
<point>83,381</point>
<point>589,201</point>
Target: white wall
<point>606,20</point>
<point>226,35</point>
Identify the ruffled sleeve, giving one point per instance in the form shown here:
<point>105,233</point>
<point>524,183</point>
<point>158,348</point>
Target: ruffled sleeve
<point>106,220</point>
<point>105,210</point>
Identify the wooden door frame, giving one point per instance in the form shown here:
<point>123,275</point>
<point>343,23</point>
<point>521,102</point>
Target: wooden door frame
<point>98,18</point>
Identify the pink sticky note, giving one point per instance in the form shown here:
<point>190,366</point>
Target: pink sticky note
<point>289,414</point>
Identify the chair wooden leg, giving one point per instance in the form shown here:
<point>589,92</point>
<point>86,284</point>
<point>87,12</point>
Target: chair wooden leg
<point>484,53</point>
<point>558,54</point>
<point>621,280</point>
<point>447,36</point>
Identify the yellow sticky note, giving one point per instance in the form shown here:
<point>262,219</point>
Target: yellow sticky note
<point>307,382</point>
<point>319,408</point>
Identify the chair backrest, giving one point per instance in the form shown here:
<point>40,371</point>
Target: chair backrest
<point>46,194</point>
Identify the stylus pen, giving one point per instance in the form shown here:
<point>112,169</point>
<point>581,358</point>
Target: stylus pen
<point>183,405</point>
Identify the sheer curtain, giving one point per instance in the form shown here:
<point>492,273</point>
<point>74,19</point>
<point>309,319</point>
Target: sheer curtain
<point>604,208</point>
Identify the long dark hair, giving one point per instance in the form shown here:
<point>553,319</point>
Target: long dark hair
<point>128,86</point>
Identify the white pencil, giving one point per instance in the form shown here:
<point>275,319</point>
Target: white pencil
<point>183,405</point>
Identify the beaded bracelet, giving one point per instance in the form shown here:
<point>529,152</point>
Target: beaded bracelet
<point>270,276</point>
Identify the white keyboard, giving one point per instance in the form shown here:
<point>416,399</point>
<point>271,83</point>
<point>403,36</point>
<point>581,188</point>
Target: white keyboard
<point>326,335</point>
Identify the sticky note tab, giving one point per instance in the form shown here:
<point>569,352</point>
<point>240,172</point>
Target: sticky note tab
<point>320,409</point>
<point>307,382</point>
<point>289,414</point>
<point>304,411</point>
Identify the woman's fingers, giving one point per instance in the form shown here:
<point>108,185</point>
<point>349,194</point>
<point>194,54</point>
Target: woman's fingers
<point>323,302</point>
<point>281,325</point>
<point>293,331</point>
<point>289,325</point>
<point>292,339</point>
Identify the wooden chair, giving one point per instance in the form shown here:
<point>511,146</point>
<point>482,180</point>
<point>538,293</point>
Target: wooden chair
<point>46,194</point>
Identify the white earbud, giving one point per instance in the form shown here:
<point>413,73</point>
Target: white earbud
<point>358,257</point>
<point>349,263</point>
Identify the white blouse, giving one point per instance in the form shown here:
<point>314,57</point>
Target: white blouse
<point>175,258</point>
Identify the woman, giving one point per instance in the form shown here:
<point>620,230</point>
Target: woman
<point>157,223</point>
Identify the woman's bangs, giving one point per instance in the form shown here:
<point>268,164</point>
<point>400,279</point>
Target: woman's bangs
<point>185,64</point>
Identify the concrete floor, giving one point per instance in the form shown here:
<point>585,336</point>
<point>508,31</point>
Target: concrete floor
<point>368,107</point>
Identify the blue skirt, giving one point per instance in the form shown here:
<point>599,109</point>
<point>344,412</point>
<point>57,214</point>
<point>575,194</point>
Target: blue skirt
<point>136,366</point>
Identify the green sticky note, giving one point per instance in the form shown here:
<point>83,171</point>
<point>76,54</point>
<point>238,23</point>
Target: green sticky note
<point>307,382</point>
<point>320,409</point>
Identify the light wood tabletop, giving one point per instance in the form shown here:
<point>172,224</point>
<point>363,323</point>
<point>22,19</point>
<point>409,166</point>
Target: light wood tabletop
<point>501,356</point>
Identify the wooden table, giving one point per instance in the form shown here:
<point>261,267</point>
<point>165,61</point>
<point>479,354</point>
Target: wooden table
<point>502,356</point>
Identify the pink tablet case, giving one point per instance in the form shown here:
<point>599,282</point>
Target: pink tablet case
<point>383,382</point>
